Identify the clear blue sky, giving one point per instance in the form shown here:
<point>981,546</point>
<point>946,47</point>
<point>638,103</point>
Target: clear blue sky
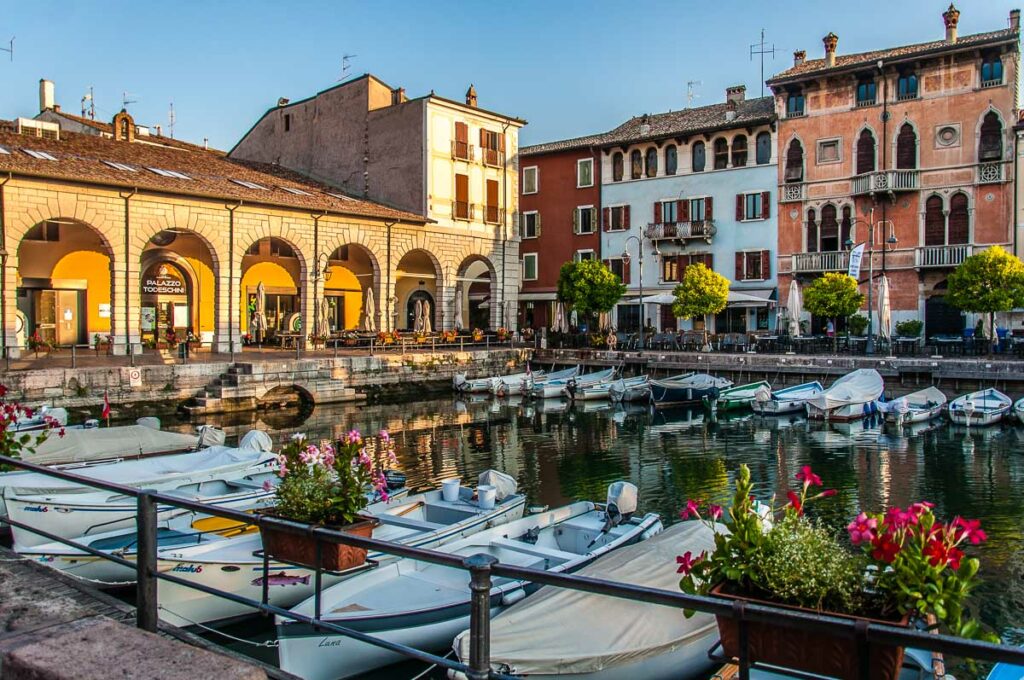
<point>570,68</point>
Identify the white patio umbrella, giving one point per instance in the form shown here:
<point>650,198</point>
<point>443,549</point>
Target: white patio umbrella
<point>368,310</point>
<point>560,325</point>
<point>259,315</point>
<point>794,307</point>
<point>510,312</point>
<point>660,299</point>
<point>884,309</point>
<point>458,308</point>
<point>418,322</point>
<point>603,321</point>
<point>427,326</point>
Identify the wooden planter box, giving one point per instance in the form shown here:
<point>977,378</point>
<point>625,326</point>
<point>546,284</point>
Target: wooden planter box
<point>301,550</point>
<point>814,652</point>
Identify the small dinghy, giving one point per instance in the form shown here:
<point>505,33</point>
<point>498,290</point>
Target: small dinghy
<point>1018,410</point>
<point>692,389</point>
<point>916,407</point>
<point>787,400</point>
<point>426,605</point>
<point>235,564</point>
<point>602,390</point>
<point>985,407</point>
<point>622,392</point>
<point>553,389</point>
<point>504,386</point>
<point>851,397</point>
<point>461,384</point>
<point>740,396</point>
<point>622,638</point>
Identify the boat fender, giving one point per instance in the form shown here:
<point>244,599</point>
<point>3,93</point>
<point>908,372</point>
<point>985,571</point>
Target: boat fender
<point>510,598</point>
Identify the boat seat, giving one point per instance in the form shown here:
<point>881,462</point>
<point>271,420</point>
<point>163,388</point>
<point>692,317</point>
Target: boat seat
<point>409,522</point>
<point>533,550</point>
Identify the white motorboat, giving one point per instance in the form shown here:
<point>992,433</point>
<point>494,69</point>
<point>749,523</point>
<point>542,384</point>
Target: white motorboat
<point>90,444</point>
<point>543,378</point>
<point>462,384</point>
<point>218,475</point>
<point>916,407</point>
<point>504,387</point>
<point>851,397</point>
<point>42,418</point>
<point>985,407</point>
<point>622,638</point>
<point>426,605</point>
<point>741,396</point>
<point>235,564</point>
<point>602,390</point>
<point>619,391</point>
<point>1018,409</point>
<point>787,400</point>
<point>553,389</point>
<point>692,388</point>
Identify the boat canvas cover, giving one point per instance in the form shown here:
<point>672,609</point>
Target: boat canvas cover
<point>922,399</point>
<point>858,387</point>
<point>104,443</point>
<point>542,634</point>
<point>208,462</point>
<point>504,485</point>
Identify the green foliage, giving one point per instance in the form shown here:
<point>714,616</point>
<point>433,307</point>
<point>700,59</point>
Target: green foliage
<point>589,287</point>
<point>857,323</point>
<point>989,281</point>
<point>910,328</point>
<point>833,295</point>
<point>16,444</point>
<point>701,292</point>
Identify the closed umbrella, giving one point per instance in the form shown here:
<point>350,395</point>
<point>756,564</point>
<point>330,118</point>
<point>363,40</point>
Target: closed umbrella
<point>368,311</point>
<point>510,312</point>
<point>794,306</point>
<point>418,323</point>
<point>259,315</point>
<point>602,321</point>
<point>884,309</point>
<point>458,308</point>
<point>324,320</point>
<point>427,326</point>
<point>560,325</point>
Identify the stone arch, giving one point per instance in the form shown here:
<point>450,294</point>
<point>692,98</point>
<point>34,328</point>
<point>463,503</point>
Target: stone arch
<point>981,122</point>
<point>469,275</point>
<point>416,269</point>
<point>196,257</point>
<point>894,143</point>
<point>286,282</point>
<point>354,270</point>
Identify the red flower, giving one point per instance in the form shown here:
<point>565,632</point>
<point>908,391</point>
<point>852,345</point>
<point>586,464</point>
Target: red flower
<point>807,477</point>
<point>862,529</point>
<point>828,493</point>
<point>939,554</point>
<point>687,562</point>
<point>794,500</point>
<point>885,549</point>
<point>3,390</point>
<point>715,511</point>
<point>899,519</point>
<point>692,509</point>
<point>970,529</point>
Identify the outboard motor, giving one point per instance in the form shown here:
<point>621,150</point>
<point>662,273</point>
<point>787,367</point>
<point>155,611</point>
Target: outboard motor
<point>257,440</point>
<point>622,497</point>
<point>570,388</point>
<point>504,485</point>
<point>211,436</point>
<point>459,382</point>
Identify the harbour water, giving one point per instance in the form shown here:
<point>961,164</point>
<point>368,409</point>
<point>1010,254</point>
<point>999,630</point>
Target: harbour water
<point>560,453</point>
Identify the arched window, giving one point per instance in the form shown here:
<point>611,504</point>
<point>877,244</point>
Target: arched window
<point>617,166</point>
<point>812,231</point>
<point>636,164</point>
<point>934,222</point>
<point>829,229</point>
<point>990,147</point>
<point>906,148</point>
<point>739,151</point>
<point>697,153</point>
<point>795,162</point>
<point>865,152</point>
<point>652,162</point>
<point>764,148</point>
<point>958,219</point>
<point>671,159</point>
<point>721,154</point>
<point>846,226</point>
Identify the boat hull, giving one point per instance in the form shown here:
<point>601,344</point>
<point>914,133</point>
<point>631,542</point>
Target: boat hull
<point>670,396</point>
<point>978,418</point>
<point>845,413</point>
<point>780,407</point>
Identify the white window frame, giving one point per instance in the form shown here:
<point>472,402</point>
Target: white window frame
<point>577,256</point>
<point>579,163</point>
<point>579,220</point>
<point>748,253</point>
<point>817,150</point>
<point>760,205</point>
<point>612,270</point>
<point>536,269</point>
<point>536,179</point>
<point>525,214</point>
<point>622,219</point>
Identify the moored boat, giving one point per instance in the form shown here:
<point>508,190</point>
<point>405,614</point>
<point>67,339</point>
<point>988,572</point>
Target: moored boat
<point>850,397</point>
<point>553,389</point>
<point>426,605</point>
<point>786,400</point>
<point>461,384</point>
<point>542,378</point>
<point>916,407</point>
<point>691,389</point>
<point>602,390</point>
<point>620,391</point>
<point>740,396</point>
<point>981,408</point>
<point>1018,409</point>
<point>517,384</point>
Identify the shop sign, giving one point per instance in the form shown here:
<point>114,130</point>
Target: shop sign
<point>164,281</point>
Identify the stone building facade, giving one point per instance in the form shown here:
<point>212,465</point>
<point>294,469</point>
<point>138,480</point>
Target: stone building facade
<point>907,150</point>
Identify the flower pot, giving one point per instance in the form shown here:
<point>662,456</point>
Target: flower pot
<point>299,549</point>
<point>811,651</point>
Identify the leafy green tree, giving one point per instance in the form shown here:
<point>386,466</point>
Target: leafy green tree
<point>589,287</point>
<point>987,282</point>
<point>833,295</point>
<point>702,291</point>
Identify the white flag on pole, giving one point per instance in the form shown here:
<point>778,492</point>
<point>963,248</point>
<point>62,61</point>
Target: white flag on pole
<point>856,255</point>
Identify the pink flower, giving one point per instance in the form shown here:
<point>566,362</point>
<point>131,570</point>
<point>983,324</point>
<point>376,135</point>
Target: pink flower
<point>807,477</point>
<point>61,433</point>
<point>267,486</point>
<point>353,437</point>
<point>385,437</point>
<point>715,511</point>
<point>828,493</point>
<point>692,509</point>
<point>687,562</point>
<point>969,529</point>
<point>862,529</point>
<point>794,500</point>
<point>920,507</point>
<point>364,458</point>
<point>900,519</point>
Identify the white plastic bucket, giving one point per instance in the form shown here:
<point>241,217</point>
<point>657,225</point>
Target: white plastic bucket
<point>485,495</point>
<point>450,489</point>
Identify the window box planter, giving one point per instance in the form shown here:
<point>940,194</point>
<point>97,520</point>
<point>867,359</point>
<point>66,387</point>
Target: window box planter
<point>301,550</point>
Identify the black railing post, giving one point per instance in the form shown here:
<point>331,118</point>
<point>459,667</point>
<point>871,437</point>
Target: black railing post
<point>863,650</point>
<point>145,563</point>
<point>739,608</point>
<point>74,360</point>
<point>479,566</point>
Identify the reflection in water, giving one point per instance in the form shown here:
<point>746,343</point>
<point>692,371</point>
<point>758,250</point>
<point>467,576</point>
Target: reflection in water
<point>559,454</point>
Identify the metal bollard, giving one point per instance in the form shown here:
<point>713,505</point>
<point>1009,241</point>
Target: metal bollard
<point>145,563</point>
<point>74,359</point>
<point>131,353</point>
<point>487,343</point>
<point>479,566</point>
<point>298,347</point>
<point>371,346</point>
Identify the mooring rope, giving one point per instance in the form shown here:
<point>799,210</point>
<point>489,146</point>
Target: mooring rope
<point>268,643</point>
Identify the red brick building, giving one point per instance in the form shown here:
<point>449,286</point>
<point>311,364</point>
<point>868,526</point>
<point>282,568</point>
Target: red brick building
<point>559,204</point>
<point>908,150</point>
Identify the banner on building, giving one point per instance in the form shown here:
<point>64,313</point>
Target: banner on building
<point>856,255</point>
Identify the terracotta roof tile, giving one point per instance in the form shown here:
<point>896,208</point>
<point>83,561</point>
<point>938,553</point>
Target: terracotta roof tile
<point>155,139</point>
<point>83,157</point>
<point>562,145</point>
<point>689,121</point>
<point>869,58</point>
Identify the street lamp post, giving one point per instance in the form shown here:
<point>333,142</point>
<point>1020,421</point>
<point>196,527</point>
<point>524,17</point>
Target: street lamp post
<point>640,258</point>
<point>890,244</point>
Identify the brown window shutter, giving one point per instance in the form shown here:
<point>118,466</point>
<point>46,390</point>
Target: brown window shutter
<point>657,212</point>
<point>501,143</point>
<point>739,207</point>
<point>625,217</point>
<point>766,264</point>
<point>626,272</point>
<point>461,132</point>
<point>606,215</point>
<point>681,263</point>
<point>536,223</point>
<point>741,274</point>
<point>483,138</point>
<point>709,213</point>
<point>575,220</point>
<point>766,210</point>
<point>684,211</point>
<point>679,211</point>
<point>709,261</point>
<point>607,263</point>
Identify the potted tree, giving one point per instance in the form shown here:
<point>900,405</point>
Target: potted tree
<point>328,486</point>
<point>589,288</point>
<point>833,296</point>
<point>987,282</point>
<point>902,564</point>
<point>702,291</point>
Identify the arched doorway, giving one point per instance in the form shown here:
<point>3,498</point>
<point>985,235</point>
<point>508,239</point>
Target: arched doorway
<point>178,284</point>
<point>417,272</point>
<point>275,263</point>
<point>166,301</point>
<point>475,293</point>
<point>351,273</point>
<point>410,307</point>
<point>64,282</point>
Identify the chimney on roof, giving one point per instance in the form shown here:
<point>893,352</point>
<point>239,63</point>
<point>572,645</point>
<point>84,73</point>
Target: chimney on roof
<point>471,96</point>
<point>159,130</point>
<point>730,110</point>
<point>1014,19</point>
<point>124,127</point>
<point>282,101</point>
<point>799,56</point>
<point>398,96</point>
<point>830,41</point>
<point>736,94</point>
<point>951,17</point>
<point>45,94</point>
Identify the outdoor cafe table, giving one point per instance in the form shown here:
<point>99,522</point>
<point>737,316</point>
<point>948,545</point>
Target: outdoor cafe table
<point>767,343</point>
<point>950,345</point>
<point>804,343</point>
<point>906,345</point>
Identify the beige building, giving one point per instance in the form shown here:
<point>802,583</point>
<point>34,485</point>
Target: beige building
<point>451,162</point>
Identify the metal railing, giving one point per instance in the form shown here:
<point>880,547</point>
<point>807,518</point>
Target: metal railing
<point>482,568</point>
<point>888,180</point>
<point>943,256</point>
<point>679,230</point>
<point>829,261</point>
<point>463,151</point>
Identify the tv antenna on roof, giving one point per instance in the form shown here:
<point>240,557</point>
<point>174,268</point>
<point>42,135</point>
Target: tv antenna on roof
<point>10,48</point>
<point>91,109</point>
<point>690,96</point>
<point>170,120</point>
<point>346,64</point>
<point>762,49</point>
<point>125,101</point>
